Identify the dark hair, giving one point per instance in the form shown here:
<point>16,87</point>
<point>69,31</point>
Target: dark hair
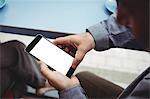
<point>135,5</point>
<point>139,9</point>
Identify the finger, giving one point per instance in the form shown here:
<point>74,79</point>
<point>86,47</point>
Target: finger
<point>47,73</point>
<point>69,49</point>
<point>60,46</point>
<point>42,90</point>
<point>39,62</point>
<point>61,40</point>
<point>78,58</point>
<point>66,49</point>
<point>71,53</point>
<point>73,49</point>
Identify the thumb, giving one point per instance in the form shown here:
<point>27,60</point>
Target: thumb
<point>47,73</point>
<point>78,58</point>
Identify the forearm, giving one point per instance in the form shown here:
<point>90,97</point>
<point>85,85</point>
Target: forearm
<point>109,33</point>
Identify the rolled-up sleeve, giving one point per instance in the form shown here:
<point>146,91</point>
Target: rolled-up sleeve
<point>109,30</point>
<point>76,92</point>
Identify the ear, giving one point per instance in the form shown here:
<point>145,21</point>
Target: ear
<point>123,17</point>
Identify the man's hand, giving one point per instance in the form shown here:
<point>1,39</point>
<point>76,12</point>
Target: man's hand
<point>82,43</point>
<point>47,87</point>
<point>58,80</point>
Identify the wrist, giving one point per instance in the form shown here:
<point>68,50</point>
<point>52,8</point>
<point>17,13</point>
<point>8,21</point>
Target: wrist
<point>73,82</point>
<point>91,40</point>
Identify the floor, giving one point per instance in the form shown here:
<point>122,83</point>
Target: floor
<point>120,66</point>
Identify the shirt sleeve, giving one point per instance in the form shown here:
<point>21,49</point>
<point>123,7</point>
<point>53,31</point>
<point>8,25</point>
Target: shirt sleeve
<point>108,30</point>
<point>76,92</point>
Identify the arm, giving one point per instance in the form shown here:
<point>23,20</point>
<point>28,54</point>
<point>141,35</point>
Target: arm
<point>109,33</point>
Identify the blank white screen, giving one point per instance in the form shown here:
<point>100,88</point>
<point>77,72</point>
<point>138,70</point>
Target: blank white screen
<point>52,56</point>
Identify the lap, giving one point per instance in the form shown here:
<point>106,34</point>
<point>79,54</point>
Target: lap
<point>97,87</point>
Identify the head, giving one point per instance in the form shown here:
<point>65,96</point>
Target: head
<point>135,15</point>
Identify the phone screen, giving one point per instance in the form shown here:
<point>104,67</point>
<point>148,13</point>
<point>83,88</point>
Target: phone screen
<point>53,56</point>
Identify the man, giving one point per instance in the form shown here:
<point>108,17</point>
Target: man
<point>131,13</point>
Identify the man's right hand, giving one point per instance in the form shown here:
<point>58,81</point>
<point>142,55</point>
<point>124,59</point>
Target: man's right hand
<point>82,43</point>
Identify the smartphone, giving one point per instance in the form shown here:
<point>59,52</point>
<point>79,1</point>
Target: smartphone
<point>56,59</point>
